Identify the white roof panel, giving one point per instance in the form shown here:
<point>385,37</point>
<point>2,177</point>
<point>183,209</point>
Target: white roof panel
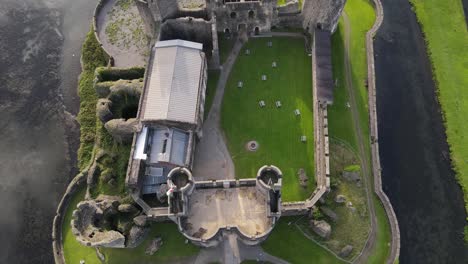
<point>174,83</point>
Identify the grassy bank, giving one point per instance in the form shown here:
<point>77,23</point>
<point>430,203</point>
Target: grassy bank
<point>361,17</point>
<point>445,31</point>
<point>277,130</point>
<point>287,242</point>
<point>173,249</point>
<point>381,250</point>
<point>92,56</point>
<point>114,162</point>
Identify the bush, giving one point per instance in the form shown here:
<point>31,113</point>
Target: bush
<point>114,74</point>
<point>103,88</point>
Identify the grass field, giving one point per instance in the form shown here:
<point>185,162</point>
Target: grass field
<point>445,31</point>
<point>287,242</point>
<point>381,250</point>
<point>173,249</point>
<point>74,251</point>
<point>277,130</point>
<point>358,219</point>
<point>361,18</point>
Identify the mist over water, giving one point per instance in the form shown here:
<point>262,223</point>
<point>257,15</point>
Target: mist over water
<point>38,139</point>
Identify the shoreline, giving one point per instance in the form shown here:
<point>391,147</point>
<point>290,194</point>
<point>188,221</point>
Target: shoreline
<point>443,94</point>
<point>417,174</point>
<point>375,154</point>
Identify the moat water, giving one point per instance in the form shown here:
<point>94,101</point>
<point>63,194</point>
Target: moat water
<point>40,44</point>
<point>417,174</point>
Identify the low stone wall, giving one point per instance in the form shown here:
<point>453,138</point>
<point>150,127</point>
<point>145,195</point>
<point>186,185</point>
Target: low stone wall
<point>376,169</point>
<point>77,182</point>
<point>220,184</point>
<point>57,240</point>
<point>98,8</point>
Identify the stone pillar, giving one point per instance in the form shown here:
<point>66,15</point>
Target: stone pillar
<point>215,60</point>
<point>150,20</point>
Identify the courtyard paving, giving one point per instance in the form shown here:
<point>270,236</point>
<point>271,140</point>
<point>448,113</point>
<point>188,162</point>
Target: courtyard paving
<point>212,209</point>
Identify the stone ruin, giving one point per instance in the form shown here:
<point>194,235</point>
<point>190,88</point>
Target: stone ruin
<point>89,221</point>
<point>97,224</point>
<point>118,109</point>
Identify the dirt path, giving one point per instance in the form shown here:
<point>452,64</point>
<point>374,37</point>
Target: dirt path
<point>361,143</point>
<point>213,160</point>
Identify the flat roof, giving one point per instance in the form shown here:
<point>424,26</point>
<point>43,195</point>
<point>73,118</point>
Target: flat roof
<point>324,74</point>
<point>174,82</point>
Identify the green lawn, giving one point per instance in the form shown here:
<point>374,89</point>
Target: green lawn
<point>443,24</point>
<point>339,115</point>
<point>74,251</point>
<point>359,219</point>
<point>381,249</point>
<point>173,249</point>
<point>277,130</point>
<point>361,16</point>
<point>288,243</point>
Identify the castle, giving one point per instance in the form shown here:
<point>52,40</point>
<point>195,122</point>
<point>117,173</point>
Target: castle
<point>201,20</point>
<point>171,115</point>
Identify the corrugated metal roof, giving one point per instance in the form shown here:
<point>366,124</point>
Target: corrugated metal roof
<point>174,83</point>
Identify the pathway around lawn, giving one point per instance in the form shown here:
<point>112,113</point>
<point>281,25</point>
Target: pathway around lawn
<point>362,258</point>
<point>212,159</point>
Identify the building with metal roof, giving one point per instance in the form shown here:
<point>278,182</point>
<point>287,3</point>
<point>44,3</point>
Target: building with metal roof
<point>176,83</point>
<point>170,114</point>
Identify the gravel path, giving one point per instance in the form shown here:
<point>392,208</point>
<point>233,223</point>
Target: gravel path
<point>213,160</point>
<point>361,143</point>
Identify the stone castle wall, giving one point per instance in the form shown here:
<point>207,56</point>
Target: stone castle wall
<point>251,14</point>
<point>188,28</point>
<point>323,12</point>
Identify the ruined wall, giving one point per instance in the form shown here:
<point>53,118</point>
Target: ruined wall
<point>170,9</point>
<point>151,24</point>
<point>323,12</point>
<point>188,28</point>
<point>252,14</point>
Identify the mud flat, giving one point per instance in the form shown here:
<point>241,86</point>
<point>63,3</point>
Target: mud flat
<point>417,174</point>
<point>38,85</point>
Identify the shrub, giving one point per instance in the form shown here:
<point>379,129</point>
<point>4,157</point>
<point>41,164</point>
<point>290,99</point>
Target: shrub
<point>113,74</point>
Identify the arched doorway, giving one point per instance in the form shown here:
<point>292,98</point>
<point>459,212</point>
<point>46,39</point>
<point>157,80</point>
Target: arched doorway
<point>227,33</point>
<point>251,14</point>
<point>241,27</point>
<point>233,15</point>
<point>257,31</point>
